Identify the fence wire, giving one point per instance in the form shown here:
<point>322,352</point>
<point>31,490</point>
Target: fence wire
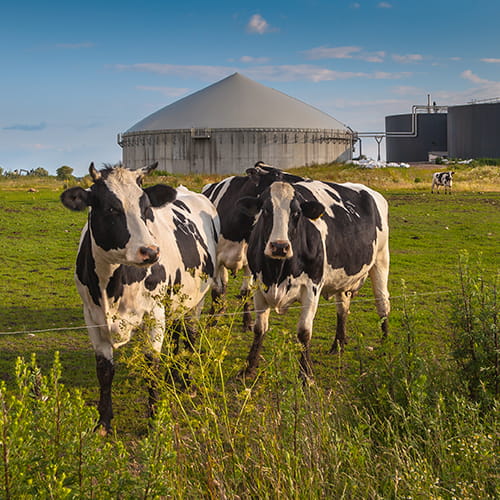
<point>236,313</point>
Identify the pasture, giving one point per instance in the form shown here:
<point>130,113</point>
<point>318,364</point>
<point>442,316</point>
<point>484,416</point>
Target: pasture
<point>392,420</point>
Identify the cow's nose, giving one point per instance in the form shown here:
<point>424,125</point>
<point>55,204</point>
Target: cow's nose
<point>149,254</point>
<point>279,248</point>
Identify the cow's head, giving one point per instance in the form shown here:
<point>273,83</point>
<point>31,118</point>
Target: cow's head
<point>263,175</point>
<point>119,210</point>
<point>280,212</point>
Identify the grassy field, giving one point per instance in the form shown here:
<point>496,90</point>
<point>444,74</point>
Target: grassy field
<point>397,420</point>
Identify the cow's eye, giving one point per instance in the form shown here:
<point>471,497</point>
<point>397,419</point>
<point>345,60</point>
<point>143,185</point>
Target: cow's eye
<point>113,211</point>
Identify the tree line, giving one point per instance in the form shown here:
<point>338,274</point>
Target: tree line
<point>63,173</point>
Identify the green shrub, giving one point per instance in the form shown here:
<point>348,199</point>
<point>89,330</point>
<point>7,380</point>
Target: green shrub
<point>475,332</point>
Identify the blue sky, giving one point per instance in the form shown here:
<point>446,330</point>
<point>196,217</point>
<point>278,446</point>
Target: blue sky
<point>75,74</point>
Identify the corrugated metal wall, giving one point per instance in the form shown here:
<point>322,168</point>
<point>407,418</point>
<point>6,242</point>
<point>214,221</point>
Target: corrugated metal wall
<point>474,131</point>
<point>232,151</point>
<point>432,136</point>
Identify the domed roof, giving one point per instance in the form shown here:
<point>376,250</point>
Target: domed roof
<point>237,102</point>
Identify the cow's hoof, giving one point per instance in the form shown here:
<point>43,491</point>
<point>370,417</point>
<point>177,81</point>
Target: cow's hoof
<point>102,429</point>
<point>307,380</point>
<point>248,327</point>
<point>336,348</point>
<point>247,374</point>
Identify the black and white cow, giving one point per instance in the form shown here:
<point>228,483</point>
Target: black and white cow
<point>236,225</point>
<point>314,238</point>
<point>442,179</point>
<point>139,247</point>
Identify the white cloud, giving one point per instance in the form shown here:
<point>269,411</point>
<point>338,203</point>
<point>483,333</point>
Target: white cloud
<point>356,5</point>
<point>253,60</point>
<point>482,89</point>
<point>331,52</point>
<point>205,73</point>
<point>304,72</point>
<point>408,58</point>
<point>469,75</point>
<point>384,5</point>
<point>373,57</point>
<point>344,103</point>
<point>300,72</point>
<point>405,90</point>
<point>259,25</point>
<point>490,60</point>
<point>167,91</point>
<point>348,52</point>
<point>384,75</point>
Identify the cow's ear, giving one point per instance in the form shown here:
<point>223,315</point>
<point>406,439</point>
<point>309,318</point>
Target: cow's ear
<point>76,198</point>
<point>161,194</point>
<point>249,205</point>
<point>312,209</point>
<point>95,174</point>
<point>142,172</point>
<point>253,174</point>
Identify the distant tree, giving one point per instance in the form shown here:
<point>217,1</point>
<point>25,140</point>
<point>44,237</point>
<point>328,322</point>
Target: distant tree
<point>1,170</point>
<point>40,172</point>
<point>64,173</point>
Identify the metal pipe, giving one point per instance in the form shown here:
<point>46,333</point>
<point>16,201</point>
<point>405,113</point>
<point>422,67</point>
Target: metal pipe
<point>413,132</point>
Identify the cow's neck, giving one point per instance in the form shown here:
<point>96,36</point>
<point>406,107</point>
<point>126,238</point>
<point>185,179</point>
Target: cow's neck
<point>104,267</point>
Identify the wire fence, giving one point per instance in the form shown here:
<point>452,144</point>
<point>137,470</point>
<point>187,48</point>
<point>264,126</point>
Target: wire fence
<point>331,303</point>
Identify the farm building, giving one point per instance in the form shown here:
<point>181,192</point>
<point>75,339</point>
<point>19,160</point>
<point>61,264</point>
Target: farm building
<point>461,131</point>
<point>228,126</point>
<point>412,137</point>
<point>473,130</point>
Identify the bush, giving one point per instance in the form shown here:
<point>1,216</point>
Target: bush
<point>64,173</point>
<point>399,428</point>
<point>48,447</point>
<point>475,332</point>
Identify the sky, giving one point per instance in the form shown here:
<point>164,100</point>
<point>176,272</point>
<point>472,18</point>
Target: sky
<point>75,74</point>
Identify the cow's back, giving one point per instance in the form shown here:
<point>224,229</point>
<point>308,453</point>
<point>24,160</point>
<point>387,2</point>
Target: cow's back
<point>187,230</point>
<point>354,230</point>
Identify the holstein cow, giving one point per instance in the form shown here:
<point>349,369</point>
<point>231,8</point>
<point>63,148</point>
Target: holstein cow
<point>442,179</point>
<point>315,238</point>
<point>139,247</point>
<point>236,225</point>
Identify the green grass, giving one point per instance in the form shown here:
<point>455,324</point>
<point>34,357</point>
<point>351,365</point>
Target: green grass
<point>391,420</point>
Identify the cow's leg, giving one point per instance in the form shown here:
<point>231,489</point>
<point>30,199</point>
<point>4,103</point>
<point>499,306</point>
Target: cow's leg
<point>379,275</point>
<point>259,330</point>
<point>309,306</point>
<point>245,292</point>
<point>156,337</point>
<point>342,303</point>
<point>218,293</point>
<point>105,372</point>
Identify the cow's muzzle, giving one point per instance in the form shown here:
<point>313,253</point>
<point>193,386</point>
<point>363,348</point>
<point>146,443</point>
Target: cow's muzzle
<point>149,255</point>
<point>279,249</point>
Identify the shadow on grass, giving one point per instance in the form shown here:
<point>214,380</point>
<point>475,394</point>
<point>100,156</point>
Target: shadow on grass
<point>24,331</point>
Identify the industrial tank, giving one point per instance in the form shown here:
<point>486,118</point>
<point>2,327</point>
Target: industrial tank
<point>405,143</point>
<point>228,126</point>
<point>474,131</point>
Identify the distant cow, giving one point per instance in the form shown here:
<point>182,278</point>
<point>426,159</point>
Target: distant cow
<point>442,179</point>
<point>236,226</point>
<point>315,238</point>
<point>139,247</point>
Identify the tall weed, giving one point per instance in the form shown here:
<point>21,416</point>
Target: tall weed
<point>474,320</point>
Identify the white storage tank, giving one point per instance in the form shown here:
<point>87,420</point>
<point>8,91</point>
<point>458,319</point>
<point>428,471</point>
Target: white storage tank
<point>228,126</point>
